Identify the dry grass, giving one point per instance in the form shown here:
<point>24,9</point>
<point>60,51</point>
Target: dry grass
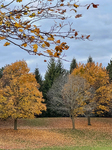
<point>43,132</point>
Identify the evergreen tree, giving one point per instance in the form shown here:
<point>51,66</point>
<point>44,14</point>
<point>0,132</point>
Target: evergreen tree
<point>38,78</point>
<point>1,72</point>
<point>109,69</point>
<point>73,65</point>
<point>48,81</point>
<point>90,59</point>
<point>53,71</point>
<point>59,68</point>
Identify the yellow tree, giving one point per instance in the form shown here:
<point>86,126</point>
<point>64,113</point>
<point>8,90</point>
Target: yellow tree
<point>20,21</point>
<point>19,94</point>
<point>98,78</point>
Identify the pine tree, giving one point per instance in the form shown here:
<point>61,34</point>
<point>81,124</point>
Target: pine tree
<point>1,72</point>
<point>59,68</point>
<point>109,69</point>
<point>90,60</point>
<point>38,78</point>
<point>73,65</point>
<point>53,71</point>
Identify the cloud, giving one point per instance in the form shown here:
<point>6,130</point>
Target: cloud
<point>96,22</point>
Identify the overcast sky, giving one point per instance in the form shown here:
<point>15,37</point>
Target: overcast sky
<point>96,22</point>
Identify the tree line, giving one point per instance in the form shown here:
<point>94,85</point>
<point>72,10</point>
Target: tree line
<point>83,90</point>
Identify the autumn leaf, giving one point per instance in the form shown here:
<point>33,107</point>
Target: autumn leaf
<point>50,39</point>
<point>1,22</point>
<point>76,33</point>
<point>35,47</point>
<point>43,45</point>
<point>88,6</point>
<point>19,1</point>
<point>41,37</point>
<point>24,44</point>
<point>76,5</point>
<point>6,44</point>
<point>47,44</point>
<point>95,5</point>
<point>2,37</point>
<point>88,37</point>
<point>18,25</point>
<point>32,15</point>
<point>58,41</point>
<point>73,10</point>
<point>20,30</point>
<point>78,15</point>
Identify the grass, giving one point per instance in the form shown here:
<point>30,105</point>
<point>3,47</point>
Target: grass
<point>57,134</point>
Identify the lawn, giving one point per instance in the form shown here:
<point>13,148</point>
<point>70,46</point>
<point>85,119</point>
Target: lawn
<point>57,134</point>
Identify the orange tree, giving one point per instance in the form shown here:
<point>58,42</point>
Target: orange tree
<point>98,78</point>
<point>20,24</point>
<point>19,94</point>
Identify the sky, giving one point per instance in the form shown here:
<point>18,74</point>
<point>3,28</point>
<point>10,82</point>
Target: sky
<point>96,22</point>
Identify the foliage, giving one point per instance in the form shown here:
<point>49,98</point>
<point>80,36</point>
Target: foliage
<point>109,69</point>
<point>90,60</point>
<point>1,72</point>
<point>53,71</point>
<point>73,65</point>
<point>98,77</point>
<point>18,25</point>
<point>19,94</point>
<point>38,78</point>
<point>59,68</point>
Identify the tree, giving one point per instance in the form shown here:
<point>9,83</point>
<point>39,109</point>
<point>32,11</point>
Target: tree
<point>38,78</point>
<point>54,95</point>
<point>90,105</point>
<point>19,94</point>
<point>109,69</point>
<point>90,60</point>
<point>98,78</point>
<point>1,72</point>
<point>73,65</point>
<point>68,95</point>
<point>75,94</point>
<point>59,67</point>
<point>18,25</point>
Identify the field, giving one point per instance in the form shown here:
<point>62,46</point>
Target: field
<point>57,134</point>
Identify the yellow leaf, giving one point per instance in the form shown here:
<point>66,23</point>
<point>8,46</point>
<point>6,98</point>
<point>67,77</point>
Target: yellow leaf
<point>32,15</point>
<point>43,45</point>
<point>50,39</point>
<point>20,30</point>
<point>47,44</point>
<point>24,44</point>
<point>18,25</point>
<point>58,41</point>
<point>7,23</point>
<point>2,37</point>
<point>41,37</point>
<point>19,1</point>
<point>35,46</point>
<point>76,5</point>
<point>6,44</point>
<point>35,50</point>
<point>1,22</point>
<point>12,18</point>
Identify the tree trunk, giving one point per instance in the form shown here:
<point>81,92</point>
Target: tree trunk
<point>88,117</point>
<point>15,124</point>
<point>73,121</point>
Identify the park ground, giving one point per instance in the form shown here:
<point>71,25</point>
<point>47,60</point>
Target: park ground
<point>56,134</point>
